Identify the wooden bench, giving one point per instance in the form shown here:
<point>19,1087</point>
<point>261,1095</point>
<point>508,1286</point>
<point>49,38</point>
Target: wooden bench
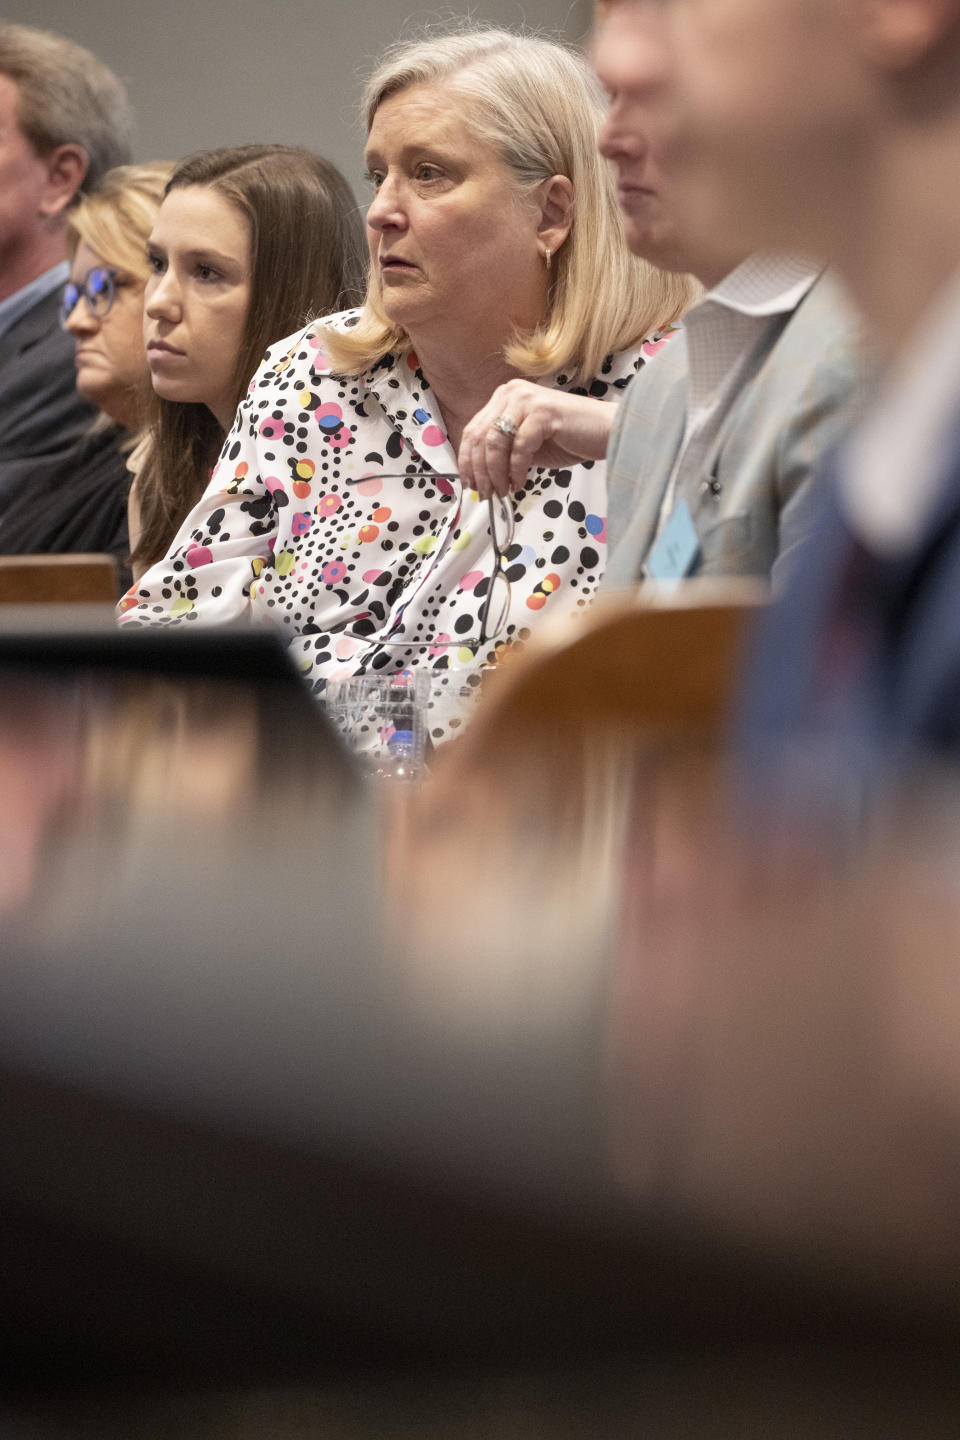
<point>59,580</point>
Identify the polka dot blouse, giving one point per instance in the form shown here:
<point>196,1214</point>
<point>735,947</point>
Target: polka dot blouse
<point>298,529</point>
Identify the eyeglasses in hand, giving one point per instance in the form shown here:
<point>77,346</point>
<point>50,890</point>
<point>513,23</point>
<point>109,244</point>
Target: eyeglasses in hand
<point>496,602</point>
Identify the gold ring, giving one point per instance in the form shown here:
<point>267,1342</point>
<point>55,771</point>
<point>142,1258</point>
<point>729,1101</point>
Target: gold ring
<point>505,425</point>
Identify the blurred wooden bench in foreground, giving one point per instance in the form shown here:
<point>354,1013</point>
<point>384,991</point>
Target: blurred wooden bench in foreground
<point>59,580</point>
<point>667,664</point>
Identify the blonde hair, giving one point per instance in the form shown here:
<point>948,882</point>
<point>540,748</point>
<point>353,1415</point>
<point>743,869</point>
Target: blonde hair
<point>117,220</point>
<point>66,96</point>
<point>540,107</point>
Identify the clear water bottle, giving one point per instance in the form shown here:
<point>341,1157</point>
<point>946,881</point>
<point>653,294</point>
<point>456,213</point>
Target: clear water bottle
<point>400,753</point>
<point>400,760</point>
<point>383,718</point>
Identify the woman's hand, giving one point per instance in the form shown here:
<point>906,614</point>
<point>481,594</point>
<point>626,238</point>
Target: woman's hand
<point>553,429</point>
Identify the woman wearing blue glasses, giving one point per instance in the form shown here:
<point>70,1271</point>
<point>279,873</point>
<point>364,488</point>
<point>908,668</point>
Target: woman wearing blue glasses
<point>84,507</point>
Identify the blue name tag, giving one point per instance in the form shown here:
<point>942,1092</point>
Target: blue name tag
<point>677,551</point>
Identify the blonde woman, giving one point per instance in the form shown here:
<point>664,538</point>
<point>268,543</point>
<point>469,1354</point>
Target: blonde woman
<point>497,251</point>
<point>84,506</point>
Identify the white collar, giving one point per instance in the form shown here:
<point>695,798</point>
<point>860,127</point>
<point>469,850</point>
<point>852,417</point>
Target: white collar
<point>764,285</point>
<point>726,327</point>
<point>17,304</point>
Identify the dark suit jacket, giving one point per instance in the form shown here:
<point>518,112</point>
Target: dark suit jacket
<point>855,673</point>
<point>41,415</point>
<point>80,507</point>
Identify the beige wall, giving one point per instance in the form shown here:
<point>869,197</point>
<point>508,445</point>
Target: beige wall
<point>224,72</point>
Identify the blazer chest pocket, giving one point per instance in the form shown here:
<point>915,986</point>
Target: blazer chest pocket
<point>730,545</point>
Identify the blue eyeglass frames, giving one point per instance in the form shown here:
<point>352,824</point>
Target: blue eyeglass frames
<point>99,289</point>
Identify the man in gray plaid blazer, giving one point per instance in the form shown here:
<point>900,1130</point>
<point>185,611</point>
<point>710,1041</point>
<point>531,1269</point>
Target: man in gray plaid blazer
<point>713,448</point>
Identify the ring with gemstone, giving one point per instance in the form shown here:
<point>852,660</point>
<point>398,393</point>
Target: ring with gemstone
<point>505,425</point>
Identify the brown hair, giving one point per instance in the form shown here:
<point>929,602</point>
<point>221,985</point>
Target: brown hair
<point>308,258</point>
<point>66,96</point>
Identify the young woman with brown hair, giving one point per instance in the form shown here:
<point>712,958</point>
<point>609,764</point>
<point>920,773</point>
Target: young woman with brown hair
<point>249,244</point>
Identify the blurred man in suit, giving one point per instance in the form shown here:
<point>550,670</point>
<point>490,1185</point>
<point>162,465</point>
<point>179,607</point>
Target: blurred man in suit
<point>712,451</point>
<point>64,121</point>
<point>836,127</point>
<point>711,457</point>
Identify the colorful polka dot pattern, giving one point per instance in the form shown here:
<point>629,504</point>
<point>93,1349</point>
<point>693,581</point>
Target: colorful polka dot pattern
<point>298,529</point>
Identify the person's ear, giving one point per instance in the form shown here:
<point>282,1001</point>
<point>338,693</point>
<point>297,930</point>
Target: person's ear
<point>66,167</point>
<point>556,213</point>
<point>899,34</point>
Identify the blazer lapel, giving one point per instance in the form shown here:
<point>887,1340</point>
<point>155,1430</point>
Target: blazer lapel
<point>653,433</point>
<point>38,321</point>
<point>737,420</point>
